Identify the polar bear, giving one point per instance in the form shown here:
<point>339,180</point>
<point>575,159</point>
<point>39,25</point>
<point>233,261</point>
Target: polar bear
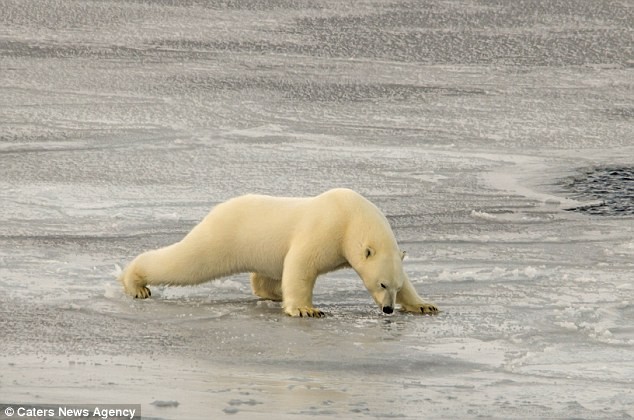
<point>285,243</point>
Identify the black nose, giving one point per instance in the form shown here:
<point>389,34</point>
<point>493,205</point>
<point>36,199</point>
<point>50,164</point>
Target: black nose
<point>388,309</point>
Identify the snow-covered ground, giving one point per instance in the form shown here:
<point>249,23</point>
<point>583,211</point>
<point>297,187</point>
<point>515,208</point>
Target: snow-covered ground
<point>122,122</point>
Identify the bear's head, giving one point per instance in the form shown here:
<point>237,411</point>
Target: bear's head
<point>381,269</point>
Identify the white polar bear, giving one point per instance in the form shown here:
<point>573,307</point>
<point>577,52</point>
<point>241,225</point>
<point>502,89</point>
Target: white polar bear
<point>285,243</point>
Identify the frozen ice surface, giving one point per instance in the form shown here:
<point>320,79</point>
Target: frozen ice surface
<point>123,122</point>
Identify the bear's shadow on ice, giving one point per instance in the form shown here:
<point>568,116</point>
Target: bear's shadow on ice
<point>171,303</point>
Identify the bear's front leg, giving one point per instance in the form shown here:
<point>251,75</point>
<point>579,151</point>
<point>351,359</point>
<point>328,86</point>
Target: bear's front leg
<point>297,290</point>
<point>410,301</point>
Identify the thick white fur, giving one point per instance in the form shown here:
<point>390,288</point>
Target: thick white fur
<point>285,243</point>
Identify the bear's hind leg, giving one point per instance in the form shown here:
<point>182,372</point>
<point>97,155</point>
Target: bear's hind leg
<point>266,287</point>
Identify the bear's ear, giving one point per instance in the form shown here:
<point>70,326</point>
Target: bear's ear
<point>403,253</point>
<point>369,251</point>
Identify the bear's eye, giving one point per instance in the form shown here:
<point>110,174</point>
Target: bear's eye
<point>383,286</point>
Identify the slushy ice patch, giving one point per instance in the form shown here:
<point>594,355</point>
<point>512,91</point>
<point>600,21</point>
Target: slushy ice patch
<point>614,186</point>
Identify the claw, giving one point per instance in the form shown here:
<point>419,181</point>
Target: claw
<point>143,293</point>
<point>306,312</point>
<point>429,309</point>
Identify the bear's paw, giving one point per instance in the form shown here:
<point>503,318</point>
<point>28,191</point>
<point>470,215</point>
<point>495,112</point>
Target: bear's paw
<point>421,308</point>
<point>428,308</point>
<point>305,312</point>
<point>143,292</point>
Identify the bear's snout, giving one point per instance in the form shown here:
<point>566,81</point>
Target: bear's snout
<point>388,309</point>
